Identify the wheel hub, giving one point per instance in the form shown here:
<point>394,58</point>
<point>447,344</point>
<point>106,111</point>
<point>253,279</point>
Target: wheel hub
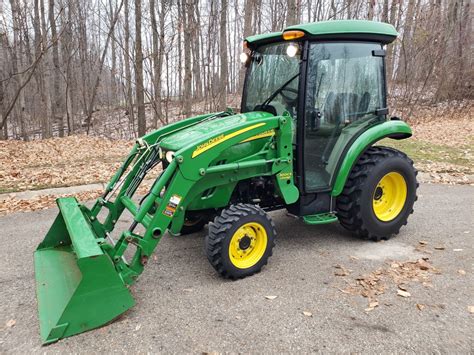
<point>378,193</point>
<point>389,196</point>
<point>244,243</point>
<point>248,244</point>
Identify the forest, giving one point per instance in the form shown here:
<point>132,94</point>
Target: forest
<point>120,68</point>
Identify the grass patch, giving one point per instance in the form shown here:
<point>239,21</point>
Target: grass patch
<point>425,152</point>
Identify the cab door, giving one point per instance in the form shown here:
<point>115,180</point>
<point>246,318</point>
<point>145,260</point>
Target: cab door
<point>345,95</point>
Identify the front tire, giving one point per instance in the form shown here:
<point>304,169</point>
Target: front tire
<point>379,194</point>
<point>240,241</point>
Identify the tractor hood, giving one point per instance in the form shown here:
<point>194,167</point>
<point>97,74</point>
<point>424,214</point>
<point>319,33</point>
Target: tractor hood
<point>195,133</point>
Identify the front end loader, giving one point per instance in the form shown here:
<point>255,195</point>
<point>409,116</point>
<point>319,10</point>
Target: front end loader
<point>313,106</point>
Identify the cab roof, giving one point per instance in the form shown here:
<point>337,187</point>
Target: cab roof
<point>334,30</point>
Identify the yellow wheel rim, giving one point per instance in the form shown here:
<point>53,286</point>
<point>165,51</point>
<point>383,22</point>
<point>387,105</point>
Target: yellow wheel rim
<point>389,196</point>
<point>248,244</point>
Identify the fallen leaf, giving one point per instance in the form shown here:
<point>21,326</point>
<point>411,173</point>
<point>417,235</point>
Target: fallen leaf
<point>403,293</point>
<point>307,314</point>
<point>420,306</point>
<point>374,304</point>
<point>461,272</point>
<point>440,247</point>
<point>466,232</point>
<point>402,287</point>
<point>270,297</point>
<point>423,265</point>
<point>341,271</point>
<point>137,328</point>
<point>11,323</point>
<point>457,249</point>
<point>423,242</point>
<point>470,309</point>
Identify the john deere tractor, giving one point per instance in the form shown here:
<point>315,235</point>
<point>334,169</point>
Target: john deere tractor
<point>313,106</point>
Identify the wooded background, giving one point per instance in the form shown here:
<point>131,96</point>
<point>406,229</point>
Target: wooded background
<point>66,65</point>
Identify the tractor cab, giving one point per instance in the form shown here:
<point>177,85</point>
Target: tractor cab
<point>330,77</point>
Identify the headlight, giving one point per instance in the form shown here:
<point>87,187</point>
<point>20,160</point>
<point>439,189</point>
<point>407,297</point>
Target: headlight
<point>169,156</point>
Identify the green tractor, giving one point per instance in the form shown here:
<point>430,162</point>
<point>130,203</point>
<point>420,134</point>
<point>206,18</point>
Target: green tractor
<point>313,105</point>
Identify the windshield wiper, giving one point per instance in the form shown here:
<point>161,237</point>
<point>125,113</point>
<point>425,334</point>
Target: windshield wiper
<point>277,91</point>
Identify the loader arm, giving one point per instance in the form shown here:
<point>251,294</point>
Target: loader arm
<point>82,274</point>
<point>169,194</point>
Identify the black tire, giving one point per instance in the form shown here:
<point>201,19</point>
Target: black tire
<point>221,232</point>
<point>355,204</point>
<point>194,222</point>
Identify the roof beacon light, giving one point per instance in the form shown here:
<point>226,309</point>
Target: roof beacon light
<point>292,34</point>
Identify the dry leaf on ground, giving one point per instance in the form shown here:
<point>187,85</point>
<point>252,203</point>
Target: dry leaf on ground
<point>470,309</point>
<point>11,323</point>
<point>372,306</point>
<point>399,273</point>
<point>420,306</point>
<point>341,270</point>
<point>403,293</point>
<point>307,313</point>
<point>270,297</point>
<point>461,272</point>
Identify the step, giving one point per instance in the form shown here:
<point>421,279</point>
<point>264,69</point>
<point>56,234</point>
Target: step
<point>320,218</point>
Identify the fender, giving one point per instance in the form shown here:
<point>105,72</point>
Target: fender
<point>392,129</point>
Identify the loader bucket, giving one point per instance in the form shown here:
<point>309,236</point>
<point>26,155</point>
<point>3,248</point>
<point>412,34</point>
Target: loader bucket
<point>77,286</point>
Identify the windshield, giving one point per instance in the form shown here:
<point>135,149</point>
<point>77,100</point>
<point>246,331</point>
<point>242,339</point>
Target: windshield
<point>269,69</point>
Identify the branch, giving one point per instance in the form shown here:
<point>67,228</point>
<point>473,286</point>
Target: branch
<point>32,69</point>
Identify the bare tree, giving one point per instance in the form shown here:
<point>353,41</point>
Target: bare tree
<point>140,97</point>
<point>223,56</point>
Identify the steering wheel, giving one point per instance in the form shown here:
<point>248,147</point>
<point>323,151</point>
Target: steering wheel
<point>288,98</point>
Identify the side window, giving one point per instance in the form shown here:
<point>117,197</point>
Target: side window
<point>345,88</point>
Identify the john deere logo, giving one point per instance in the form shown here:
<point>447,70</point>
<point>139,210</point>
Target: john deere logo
<point>222,138</point>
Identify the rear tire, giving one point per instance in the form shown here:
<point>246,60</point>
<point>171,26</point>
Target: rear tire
<point>240,241</point>
<point>379,194</point>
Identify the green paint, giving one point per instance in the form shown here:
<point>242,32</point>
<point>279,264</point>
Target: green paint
<point>397,129</point>
<point>324,29</point>
<point>321,218</point>
<point>78,288</point>
<point>347,27</point>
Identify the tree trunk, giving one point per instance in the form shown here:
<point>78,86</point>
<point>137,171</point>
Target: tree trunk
<point>139,69</point>
<point>155,57</point>
<point>164,9</point>
<point>56,103</point>
<point>223,56</point>
<point>370,15</point>
<point>186,13</point>
<point>128,71</point>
